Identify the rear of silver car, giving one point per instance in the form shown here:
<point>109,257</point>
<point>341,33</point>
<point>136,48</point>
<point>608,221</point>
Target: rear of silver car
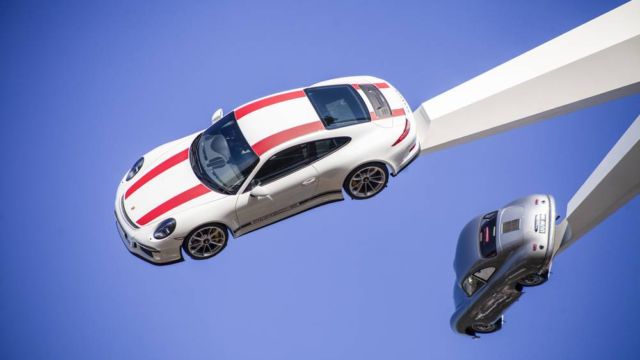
<point>497,254</point>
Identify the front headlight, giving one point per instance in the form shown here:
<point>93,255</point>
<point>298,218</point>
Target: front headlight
<point>165,228</point>
<point>135,168</point>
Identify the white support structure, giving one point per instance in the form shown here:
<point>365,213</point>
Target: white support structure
<point>591,64</point>
<point>611,185</point>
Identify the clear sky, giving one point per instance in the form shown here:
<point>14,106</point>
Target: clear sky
<point>88,87</point>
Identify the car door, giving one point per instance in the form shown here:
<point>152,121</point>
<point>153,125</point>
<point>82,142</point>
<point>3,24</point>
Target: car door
<point>332,163</point>
<point>286,180</point>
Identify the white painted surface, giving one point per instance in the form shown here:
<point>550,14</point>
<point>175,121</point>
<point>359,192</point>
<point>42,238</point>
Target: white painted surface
<point>611,185</point>
<point>591,64</point>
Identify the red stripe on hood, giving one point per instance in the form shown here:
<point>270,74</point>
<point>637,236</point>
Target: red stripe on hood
<point>159,169</point>
<point>174,202</point>
<point>276,139</point>
<point>271,100</point>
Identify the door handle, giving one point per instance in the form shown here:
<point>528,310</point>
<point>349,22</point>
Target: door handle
<point>309,181</point>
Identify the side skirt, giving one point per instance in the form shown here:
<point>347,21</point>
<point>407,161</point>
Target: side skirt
<point>311,203</point>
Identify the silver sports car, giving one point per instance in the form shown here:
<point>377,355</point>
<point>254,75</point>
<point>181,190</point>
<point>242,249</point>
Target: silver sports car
<point>498,253</point>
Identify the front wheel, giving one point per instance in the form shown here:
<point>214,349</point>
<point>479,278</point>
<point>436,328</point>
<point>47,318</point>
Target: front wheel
<point>366,181</point>
<point>206,241</point>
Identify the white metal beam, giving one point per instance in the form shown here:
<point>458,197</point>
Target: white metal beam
<point>612,184</point>
<point>591,64</point>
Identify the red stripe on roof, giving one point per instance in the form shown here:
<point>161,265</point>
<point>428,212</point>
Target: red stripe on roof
<point>271,100</point>
<point>397,112</point>
<point>159,169</point>
<point>276,139</point>
<point>381,85</point>
<point>174,202</point>
<point>355,86</point>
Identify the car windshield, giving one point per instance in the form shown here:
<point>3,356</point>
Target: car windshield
<point>221,157</point>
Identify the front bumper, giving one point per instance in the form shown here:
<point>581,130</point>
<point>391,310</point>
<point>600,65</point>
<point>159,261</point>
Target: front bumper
<point>155,252</point>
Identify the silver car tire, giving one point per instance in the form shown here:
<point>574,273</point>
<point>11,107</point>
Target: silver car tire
<point>533,280</point>
<point>481,328</point>
<point>206,241</point>
<point>366,181</point>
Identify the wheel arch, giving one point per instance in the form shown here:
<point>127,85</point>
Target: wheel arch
<point>207,223</point>
<point>387,163</point>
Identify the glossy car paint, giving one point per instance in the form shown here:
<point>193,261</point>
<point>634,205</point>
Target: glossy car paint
<point>527,250</point>
<point>166,186</point>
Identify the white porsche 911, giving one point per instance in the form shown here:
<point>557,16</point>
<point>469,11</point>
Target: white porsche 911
<point>264,161</point>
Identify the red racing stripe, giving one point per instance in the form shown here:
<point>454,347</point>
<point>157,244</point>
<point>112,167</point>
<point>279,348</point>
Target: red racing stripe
<point>162,167</point>
<point>394,112</point>
<point>271,100</point>
<point>174,202</point>
<point>276,139</point>
<point>381,85</point>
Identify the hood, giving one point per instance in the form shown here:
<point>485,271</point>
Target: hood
<point>165,185</point>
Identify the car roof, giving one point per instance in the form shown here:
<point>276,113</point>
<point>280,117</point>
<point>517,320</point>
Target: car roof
<point>285,116</point>
<point>467,253</point>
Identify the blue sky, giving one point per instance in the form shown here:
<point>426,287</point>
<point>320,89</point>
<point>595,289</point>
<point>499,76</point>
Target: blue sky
<point>87,87</point>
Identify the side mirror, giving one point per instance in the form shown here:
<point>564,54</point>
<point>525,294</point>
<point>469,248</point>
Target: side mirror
<point>259,192</point>
<point>217,116</point>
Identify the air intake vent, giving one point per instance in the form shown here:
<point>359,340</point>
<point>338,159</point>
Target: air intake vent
<point>509,226</point>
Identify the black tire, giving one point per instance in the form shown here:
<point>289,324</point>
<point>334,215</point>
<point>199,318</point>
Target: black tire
<point>366,181</point>
<point>480,328</point>
<point>534,279</point>
<point>206,241</point>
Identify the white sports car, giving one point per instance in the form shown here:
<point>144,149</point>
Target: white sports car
<point>263,162</point>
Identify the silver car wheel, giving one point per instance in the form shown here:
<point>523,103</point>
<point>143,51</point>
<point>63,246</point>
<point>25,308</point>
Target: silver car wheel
<point>206,242</point>
<point>532,280</point>
<point>367,182</point>
<point>483,328</point>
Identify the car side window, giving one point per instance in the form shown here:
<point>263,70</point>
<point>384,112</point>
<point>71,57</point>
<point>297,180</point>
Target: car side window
<point>322,148</point>
<point>485,273</point>
<point>474,282</point>
<point>296,157</point>
<point>283,163</point>
<point>338,105</point>
<point>377,100</point>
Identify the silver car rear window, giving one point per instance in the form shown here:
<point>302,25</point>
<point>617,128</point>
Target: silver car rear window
<point>487,235</point>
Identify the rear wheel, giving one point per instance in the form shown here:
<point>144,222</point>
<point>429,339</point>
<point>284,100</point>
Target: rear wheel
<point>366,181</point>
<point>534,279</point>
<point>206,241</point>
